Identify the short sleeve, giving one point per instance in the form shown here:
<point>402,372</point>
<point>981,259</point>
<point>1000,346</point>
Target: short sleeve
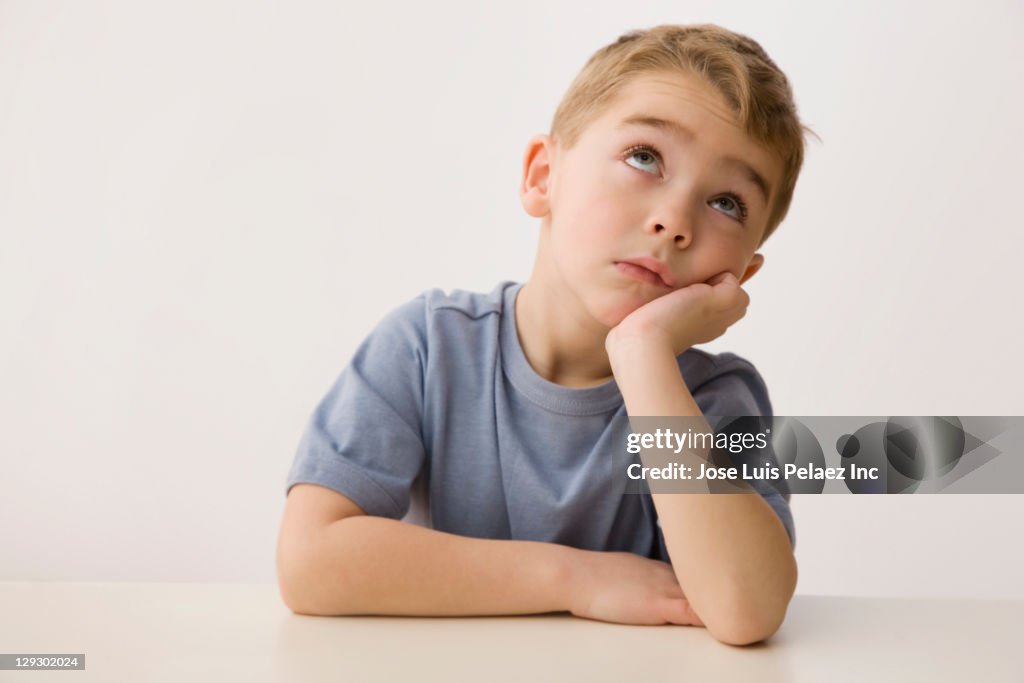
<point>364,438</point>
<point>737,389</point>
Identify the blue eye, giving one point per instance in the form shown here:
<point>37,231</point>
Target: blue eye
<point>643,151</point>
<point>732,206</point>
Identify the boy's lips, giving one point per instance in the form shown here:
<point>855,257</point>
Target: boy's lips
<point>647,270</point>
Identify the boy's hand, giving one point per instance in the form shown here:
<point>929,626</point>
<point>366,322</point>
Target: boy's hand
<point>690,315</point>
<point>625,588</point>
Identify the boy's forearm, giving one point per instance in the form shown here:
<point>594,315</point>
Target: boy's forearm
<point>730,552</point>
<point>374,565</point>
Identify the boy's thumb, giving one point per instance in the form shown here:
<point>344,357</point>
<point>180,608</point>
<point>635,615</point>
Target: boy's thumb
<point>679,611</point>
<point>720,278</point>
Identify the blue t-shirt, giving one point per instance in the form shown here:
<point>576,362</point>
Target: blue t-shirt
<point>439,412</point>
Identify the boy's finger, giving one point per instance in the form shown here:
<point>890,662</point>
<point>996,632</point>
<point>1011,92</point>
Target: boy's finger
<point>679,611</point>
<point>675,592</point>
<point>720,278</point>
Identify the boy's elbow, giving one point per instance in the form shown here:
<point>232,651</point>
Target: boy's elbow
<point>752,614</point>
<point>292,596</point>
<point>746,629</point>
<point>293,583</point>
<point>744,620</point>
<point>300,582</point>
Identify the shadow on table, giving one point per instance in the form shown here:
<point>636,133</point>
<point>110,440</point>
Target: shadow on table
<point>555,647</point>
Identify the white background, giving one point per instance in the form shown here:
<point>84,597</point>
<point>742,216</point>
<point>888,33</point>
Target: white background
<point>206,206</point>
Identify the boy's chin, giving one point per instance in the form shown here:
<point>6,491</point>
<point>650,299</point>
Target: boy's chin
<point>611,306</point>
<point>611,313</point>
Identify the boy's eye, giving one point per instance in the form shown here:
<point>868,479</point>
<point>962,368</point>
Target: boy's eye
<point>731,205</point>
<point>646,154</point>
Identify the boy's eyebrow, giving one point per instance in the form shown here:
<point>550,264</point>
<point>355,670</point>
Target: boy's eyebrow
<point>677,129</point>
<point>685,133</point>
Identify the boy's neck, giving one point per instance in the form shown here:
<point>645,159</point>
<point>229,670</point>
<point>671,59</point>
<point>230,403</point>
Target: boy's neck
<point>559,343</point>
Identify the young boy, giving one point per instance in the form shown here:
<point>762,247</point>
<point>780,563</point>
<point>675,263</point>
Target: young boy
<point>670,161</point>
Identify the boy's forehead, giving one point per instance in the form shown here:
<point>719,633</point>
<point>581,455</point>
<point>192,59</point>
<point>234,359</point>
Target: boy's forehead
<point>665,93</point>
<point>688,110</point>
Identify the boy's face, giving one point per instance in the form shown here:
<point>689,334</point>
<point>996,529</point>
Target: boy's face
<point>696,200</point>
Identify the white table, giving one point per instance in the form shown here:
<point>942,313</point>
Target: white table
<point>243,632</point>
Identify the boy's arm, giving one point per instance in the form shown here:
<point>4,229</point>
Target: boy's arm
<point>730,552</point>
<point>334,560</point>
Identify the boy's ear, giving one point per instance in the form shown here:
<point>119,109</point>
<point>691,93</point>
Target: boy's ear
<point>756,261</point>
<point>534,192</point>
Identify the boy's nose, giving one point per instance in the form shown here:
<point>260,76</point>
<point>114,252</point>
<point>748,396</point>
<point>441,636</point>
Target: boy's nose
<point>680,236</point>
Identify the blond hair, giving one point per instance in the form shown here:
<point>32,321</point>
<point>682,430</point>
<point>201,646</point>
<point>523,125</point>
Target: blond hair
<point>735,65</point>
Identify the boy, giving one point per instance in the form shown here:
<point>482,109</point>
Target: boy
<point>670,160</point>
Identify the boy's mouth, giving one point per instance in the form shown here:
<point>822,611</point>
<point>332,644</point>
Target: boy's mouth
<point>645,270</point>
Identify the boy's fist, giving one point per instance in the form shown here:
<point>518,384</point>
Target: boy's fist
<point>626,588</point>
<point>690,315</point>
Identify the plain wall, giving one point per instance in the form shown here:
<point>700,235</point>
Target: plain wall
<point>206,206</point>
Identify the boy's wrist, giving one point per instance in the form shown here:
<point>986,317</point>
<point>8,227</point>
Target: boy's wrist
<point>570,585</point>
<point>621,346</point>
